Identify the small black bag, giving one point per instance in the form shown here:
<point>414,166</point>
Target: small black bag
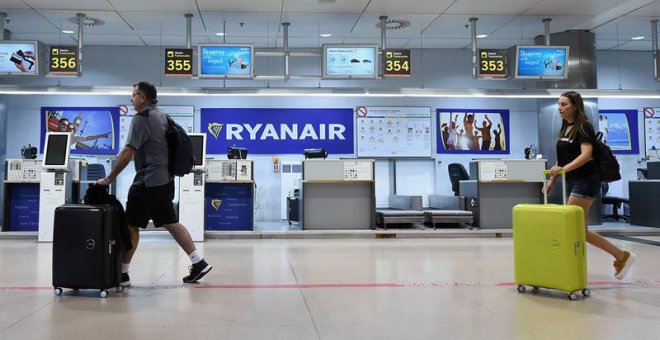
<point>180,149</point>
<point>606,163</point>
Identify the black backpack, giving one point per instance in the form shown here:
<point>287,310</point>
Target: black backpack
<point>180,150</point>
<point>606,163</point>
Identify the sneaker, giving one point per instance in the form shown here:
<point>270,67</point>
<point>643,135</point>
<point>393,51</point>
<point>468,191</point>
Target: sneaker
<point>197,271</point>
<point>125,280</point>
<point>621,267</point>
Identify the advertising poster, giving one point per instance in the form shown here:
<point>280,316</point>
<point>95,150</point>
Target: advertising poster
<point>95,130</point>
<point>473,131</point>
<point>393,131</point>
<point>278,131</point>
<point>350,61</point>
<point>541,62</point>
<point>18,58</point>
<point>619,130</point>
<point>225,60</point>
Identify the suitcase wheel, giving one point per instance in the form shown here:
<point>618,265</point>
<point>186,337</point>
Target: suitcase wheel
<point>586,292</point>
<point>120,289</point>
<point>572,296</point>
<point>103,294</point>
<point>58,291</point>
<point>521,289</point>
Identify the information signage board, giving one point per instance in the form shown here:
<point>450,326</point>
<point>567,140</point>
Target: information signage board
<point>178,62</point>
<point>492,63</point>
<point>63,60</point>
<point>396,63</point>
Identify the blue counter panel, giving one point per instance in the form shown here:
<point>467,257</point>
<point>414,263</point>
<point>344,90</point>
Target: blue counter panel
<point>23,207</point>
<point>228,206</point>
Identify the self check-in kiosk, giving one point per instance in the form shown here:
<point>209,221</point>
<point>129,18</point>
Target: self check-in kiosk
<point>191,190</point>
<point>55,185</point>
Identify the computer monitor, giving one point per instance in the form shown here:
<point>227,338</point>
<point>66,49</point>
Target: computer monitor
<point>56,150</point>
<point>199,149</point>
<point>653,170</point>
<point>234,152</point>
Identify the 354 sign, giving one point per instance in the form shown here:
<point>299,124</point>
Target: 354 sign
<point>396,63</point>
<point>63,60</point>
<point>178,62</point>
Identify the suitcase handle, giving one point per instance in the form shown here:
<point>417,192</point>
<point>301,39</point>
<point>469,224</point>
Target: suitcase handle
<point>562,174</point>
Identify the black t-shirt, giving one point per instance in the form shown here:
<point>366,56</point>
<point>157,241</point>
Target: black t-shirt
<point>569,149</point>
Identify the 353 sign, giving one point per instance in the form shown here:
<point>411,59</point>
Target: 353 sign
<point>63,60</point>
<point>492,63</point>
<point>396,63</point>
<point>178,62</point>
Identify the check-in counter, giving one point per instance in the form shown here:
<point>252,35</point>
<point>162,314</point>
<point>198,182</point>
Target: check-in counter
<point>338,194</point>
<point>229,195</point>
<point>495,186</point>
<point>22,195</point>
<point>644,202</point>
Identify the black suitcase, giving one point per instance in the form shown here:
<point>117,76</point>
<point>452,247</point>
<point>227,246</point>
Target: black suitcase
<point>86,248</point>
<point>292,204</point>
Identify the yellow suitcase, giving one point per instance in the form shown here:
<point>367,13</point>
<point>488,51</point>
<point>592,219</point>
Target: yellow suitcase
<point>549,247</point>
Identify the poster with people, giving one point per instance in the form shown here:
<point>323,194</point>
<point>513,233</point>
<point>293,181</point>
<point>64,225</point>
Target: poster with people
<point>473,131</point>
<point>94,130</point>
<point>618,129</point>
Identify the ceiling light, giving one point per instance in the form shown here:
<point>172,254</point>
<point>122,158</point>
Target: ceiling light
<point>481,36</point>
<point>220,34</point>
<point>326,35</point>
<point>68,31</point>
<point>639,37</point>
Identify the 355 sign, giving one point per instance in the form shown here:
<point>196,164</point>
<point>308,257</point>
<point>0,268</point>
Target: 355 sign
<point>178,62</point>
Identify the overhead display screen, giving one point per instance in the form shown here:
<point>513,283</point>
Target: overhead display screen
<point>350,61</point>
<point>541,62</point>
<point>226,61</point>
<point>396,63</point>
<point>492,63</point>
<point>63,60</point>
<point>178,62</point>
<point>19,58</point>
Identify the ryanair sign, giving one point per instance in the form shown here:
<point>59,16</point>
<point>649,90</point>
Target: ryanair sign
<point>278,131</point>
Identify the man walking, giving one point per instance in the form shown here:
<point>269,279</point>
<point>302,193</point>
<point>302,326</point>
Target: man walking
<point>151,194</point>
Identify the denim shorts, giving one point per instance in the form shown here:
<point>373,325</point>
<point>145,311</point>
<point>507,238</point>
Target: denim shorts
<point>585,187</point>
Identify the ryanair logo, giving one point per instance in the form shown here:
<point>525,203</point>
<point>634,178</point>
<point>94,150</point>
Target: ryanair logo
<point>216,203</point>
<point>215,128</point>
<point>279,131</point>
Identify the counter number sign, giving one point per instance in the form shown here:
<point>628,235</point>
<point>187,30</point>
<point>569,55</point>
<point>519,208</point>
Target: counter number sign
<point>63,60</point>
<point>492,63</point>
<point>178,62</point>
<point>396,63</point>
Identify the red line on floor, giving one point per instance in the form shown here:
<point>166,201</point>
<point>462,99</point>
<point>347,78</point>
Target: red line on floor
<point>350,285</point>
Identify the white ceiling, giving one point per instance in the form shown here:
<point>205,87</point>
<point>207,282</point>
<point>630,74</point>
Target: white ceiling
<point>433,23</point>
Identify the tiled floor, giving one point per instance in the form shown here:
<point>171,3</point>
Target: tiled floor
<point>328,289</point>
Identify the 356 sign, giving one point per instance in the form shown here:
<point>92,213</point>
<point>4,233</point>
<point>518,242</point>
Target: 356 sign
<point>63,60</point>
